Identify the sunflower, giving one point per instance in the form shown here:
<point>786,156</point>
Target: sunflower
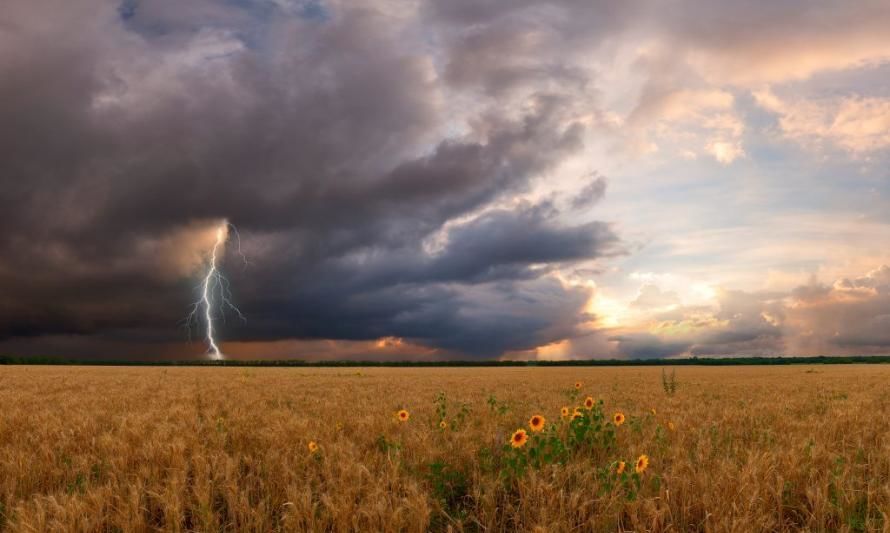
<point>313,447</point>
<point>618,419</point>
<point>403,415</point>
<point>536,423</point>
<point>577,414</point>
<point>642,463</point>
<point>671,426</point>
<point>653,412</point>
<point>443,424</point>
<point>619,468</point>
<point>588,403</point>
<point>577,385</point>
<point>519,438</point>
<point>564,412</point>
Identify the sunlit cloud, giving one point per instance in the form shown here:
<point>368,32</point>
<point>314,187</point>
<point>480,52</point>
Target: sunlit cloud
<point>725,152</point>
<point>856,124</point>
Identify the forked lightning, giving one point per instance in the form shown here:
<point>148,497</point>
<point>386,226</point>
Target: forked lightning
<point>215,293</point>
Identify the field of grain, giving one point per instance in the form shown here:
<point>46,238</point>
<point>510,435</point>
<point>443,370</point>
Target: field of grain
<point>210,449</point>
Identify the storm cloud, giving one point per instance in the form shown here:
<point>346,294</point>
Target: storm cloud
<point>131,130</point>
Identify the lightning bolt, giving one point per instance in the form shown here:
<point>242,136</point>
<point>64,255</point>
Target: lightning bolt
<point>215,294</point>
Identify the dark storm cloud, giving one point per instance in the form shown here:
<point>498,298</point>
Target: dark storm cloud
<point>127,129</point>
<point>481,293</point>
<point>648,346</point>
<point>502,240</point>
<point>484,319</point>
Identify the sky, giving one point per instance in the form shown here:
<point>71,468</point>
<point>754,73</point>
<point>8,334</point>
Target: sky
<point>425,180</point>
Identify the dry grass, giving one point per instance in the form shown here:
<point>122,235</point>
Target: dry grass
<point>138,449</point>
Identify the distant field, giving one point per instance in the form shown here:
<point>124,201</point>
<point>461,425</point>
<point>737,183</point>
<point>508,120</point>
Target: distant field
<point>209,449</point>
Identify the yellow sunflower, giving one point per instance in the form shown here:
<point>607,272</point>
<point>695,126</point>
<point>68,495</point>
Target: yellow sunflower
<point>577,385</point>
<point>313,447</point>
<point>653,412</point>
<point>403,415</point>
<point>618,419</point>
<point>536,423</point>
<point>619,468</point>
<point>443,424</point>
<point>642,464</point>
<point>671,426</point>
<point>588,403</point>
<point>577,414</point>
<point>564,412</point>
<point>519,438</point>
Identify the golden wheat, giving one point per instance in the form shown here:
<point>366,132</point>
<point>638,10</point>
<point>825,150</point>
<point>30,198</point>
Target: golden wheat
<point>209,449</point>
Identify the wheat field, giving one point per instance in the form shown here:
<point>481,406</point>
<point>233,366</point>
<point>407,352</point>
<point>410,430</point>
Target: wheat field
<point>228,449</point>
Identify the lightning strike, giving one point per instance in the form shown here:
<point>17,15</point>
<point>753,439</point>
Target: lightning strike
<point>215,294</point>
